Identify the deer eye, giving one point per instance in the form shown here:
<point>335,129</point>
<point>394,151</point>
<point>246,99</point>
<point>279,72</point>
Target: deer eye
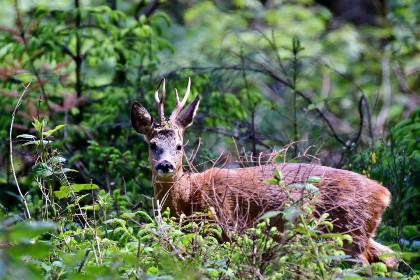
<point>152,146</point>
<point>179,147</point>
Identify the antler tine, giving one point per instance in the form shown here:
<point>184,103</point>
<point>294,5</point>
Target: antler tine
<point>180,105</point>
<point>160,102</point>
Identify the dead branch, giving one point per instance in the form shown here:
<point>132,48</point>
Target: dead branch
<point>28,214</point>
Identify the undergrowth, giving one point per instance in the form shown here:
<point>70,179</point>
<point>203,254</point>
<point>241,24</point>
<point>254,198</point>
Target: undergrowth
<point>79,231</point>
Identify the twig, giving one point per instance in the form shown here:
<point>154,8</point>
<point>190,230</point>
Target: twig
<point>151,8</point>
<point>28,214</point>
<point>283,82</point>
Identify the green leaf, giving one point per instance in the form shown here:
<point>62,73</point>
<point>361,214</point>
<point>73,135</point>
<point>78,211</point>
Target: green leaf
<point>42,170</point>
<point>57,159</point>
<point>81,197</point>
<point>30,230</point>
<point>37,250</point>
<point>296,185</point>
<point>312,106</point>
<point>405,255</point>
<point>270,214</point>
<point>161,15</point>
<point>313,179</point>
<point>337,235</point>
<point>26,136</point>
<point>65,191</point>
<point>37,125</point>
<point>271,182</point>
<point>278,175</point>
<point>37,142</point>
<point>50,132</point>
<point>95,207</point>
<point>309,187</point>
<point>137,213</point>
<point>152,270</point>
<point>65,170</point>
<point>336,257</point>
<point>291,213</point>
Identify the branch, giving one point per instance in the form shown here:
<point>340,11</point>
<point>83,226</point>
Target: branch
<point>282,81</point>
<point>64,48</point>
<point>151,8</point>
<point>28,214</point>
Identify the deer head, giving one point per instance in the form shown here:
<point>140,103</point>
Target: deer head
<point>165,136</point>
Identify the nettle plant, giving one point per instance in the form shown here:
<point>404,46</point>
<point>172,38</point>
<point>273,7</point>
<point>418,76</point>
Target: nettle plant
<point>50,173</point>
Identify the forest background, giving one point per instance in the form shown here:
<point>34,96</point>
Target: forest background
<point>337,82</point>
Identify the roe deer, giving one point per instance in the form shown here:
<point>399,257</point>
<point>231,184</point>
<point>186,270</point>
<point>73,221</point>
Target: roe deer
<point>354,202</point>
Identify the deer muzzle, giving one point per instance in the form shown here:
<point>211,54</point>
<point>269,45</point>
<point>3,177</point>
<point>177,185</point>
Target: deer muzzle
<point>164,168</point>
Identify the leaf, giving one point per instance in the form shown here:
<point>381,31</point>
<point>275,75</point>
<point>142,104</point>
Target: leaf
<point>152,270</point>
<point>336,258</point>
<point>65,191</point>
<point>37,142</point>
<point>137,213</point>
<point>278,175</point>
<point>309,187</point>
<point>65,170</point>
<point>30,230</point>
<point>313,179</point>
<point>26,136</point>
<point>270,214</point>
<point>58,264</point>
<point>405,255</point>
<point>57,159</point>
<point>50,132</point>
<point>296,185</point>
<point>337,235</point>
<point>271,182</point>
<point>37,250</point>
<point>81,197</point>
<point>95,207</point>
<point>291,213</point>
<point>37,125</point>
<point>312,106</point>
<point>42,170</point>
<point>163,16</point>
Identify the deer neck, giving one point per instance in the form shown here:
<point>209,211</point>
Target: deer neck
<point>173,192</point>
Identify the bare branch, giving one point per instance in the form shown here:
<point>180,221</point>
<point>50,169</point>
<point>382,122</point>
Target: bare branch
<point>28,214</point>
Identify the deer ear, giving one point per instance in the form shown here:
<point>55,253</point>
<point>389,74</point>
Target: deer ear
<point>141,120</point>
<point>186,117</point>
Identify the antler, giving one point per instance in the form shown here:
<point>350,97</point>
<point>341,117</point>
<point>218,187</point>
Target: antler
<point>160,102</point>
<point>180,105</point>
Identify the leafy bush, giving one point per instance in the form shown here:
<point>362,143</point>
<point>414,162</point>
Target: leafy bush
<point>106,240</point>
<point>395,163</point>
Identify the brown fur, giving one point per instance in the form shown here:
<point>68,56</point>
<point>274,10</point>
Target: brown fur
<point>239,196</point>
<point>354,202</point>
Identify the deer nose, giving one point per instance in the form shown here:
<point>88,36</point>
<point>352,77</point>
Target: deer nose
<point>164,167</point>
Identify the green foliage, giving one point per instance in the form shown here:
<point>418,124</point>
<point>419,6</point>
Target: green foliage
<point>395,163</point>
<point>140,246</point>
<point>66,191</point>
<point>267,72</point>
